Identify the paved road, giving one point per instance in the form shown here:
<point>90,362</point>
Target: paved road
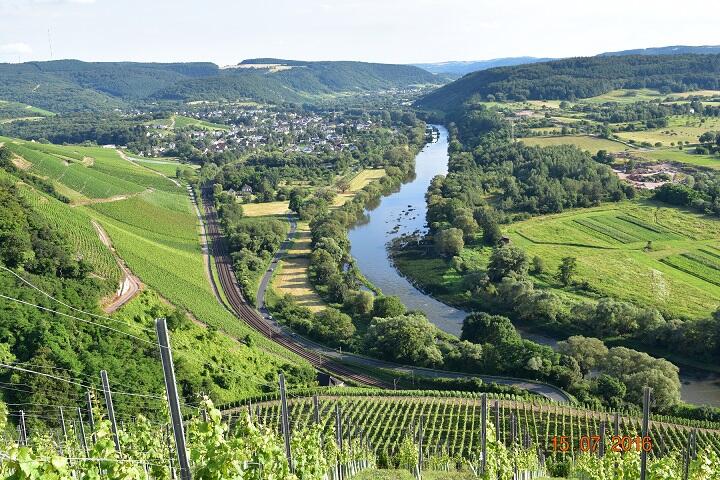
<point>546,390</point>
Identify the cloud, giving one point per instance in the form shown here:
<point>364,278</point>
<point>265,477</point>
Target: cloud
<point>15,49</point>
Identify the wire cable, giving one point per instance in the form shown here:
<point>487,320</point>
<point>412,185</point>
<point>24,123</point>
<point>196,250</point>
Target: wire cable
<point>79,319</point>
<point>66,305</point>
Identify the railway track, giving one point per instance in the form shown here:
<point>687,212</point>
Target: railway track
<point>247,313</point>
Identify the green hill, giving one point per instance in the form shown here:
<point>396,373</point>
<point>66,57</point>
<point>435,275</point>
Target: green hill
<point>573,78</point>
<point>71,85</point>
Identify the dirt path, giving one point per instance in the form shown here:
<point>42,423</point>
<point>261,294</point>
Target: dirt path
<point>130,284</point>
<point>128,159</point>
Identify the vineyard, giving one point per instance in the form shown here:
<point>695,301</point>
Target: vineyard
<point>451,424</point>
<point>336,435</point>
<point>83,173</point>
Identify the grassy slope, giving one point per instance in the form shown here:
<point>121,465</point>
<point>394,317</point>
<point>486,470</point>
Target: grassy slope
<point>156,234</point>
<point>592,144</point>
<point>617,267</point>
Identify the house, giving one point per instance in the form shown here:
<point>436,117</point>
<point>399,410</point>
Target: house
<point>246,189</point>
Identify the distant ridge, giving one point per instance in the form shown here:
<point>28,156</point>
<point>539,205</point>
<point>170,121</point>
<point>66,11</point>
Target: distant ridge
<point>671,50</point>
<point>460,68</point>
<point>71,85</point>
<point>581,77</point>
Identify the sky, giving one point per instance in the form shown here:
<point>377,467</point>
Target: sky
<point>388,31</point>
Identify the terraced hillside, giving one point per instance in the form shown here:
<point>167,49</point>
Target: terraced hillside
<point>153,226</point>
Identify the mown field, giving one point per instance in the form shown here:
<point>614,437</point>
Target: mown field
<point>292,278</point>
<point>585,142</point>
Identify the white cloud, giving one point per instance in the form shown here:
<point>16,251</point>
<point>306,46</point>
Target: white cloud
<point>15,49</point>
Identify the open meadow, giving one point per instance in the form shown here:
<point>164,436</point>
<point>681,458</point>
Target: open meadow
<point>584,142</point>
<point>680,129</point>
<point>292,277</point>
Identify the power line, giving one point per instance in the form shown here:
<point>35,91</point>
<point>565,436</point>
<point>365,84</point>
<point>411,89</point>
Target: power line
<point>54,377</point>
<point>78,318</point>
<point>104,317</point>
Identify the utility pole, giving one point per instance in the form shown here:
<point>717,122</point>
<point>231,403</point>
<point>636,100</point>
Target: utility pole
<point>110,408</point>
<point>173,399</point>
<point>285,421</point>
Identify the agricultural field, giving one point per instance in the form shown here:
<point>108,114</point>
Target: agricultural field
<point>166,165</point>
<point>675,274</point>
<point>279,208</point>
<point>452,424</point>
<point>585,142</point>
<point>679,129</point>
<point>626,96</point>
<point>357,183</point>
<point>292,278</point>
<point>86,173</point>
<point>156,234</point>
<point>181,121</point>
<point>681,156</point>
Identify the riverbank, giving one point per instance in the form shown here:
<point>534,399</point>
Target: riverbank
<point>403,213</point>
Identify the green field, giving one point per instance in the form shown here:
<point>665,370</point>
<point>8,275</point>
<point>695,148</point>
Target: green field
<point>591,144</point>
<point>609,244</point>
<point>87,172</point>
<point>182,121</point>
<point>679,129</point>
<point>154,229</point>
<point>626,96</point>
<point>681,156</point>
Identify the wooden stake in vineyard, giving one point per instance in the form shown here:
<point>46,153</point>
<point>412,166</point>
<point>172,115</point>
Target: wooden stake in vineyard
<point>110,408</point>
<point>645,431</point>
<point>285,420</point>
<point>173,398</point>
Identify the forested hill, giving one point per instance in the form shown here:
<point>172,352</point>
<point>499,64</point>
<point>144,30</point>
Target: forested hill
<point>671,50</point>
<point>579,78</point>
<point>71,85</point>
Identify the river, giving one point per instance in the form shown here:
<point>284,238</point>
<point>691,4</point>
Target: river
<point>403,212</point>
